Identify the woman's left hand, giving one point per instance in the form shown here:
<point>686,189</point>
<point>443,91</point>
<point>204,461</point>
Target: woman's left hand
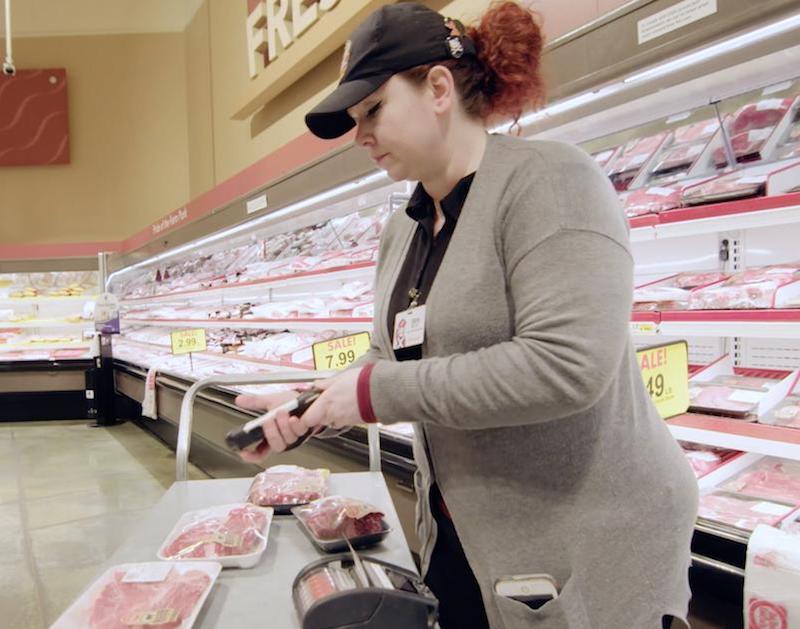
<point>337,407</point>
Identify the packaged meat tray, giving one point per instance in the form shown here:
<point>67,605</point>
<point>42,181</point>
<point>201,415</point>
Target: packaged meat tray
<point>235,535</point>
<point>746,147</point>
<point>673,292</point>
<point>770,478</point>
<point>765,113</point>
<point>705,459</point>
<point>728,187</point>
<point>651,200</point>
<point>166,595</point>
<point>786,413</point>
<point>763,287</point>
<point>330,522</point>
<point>722,400</point>
<point>741,511</point>
<point>285,486</point>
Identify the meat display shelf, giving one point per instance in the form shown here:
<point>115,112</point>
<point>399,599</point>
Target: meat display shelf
<point>361,324</point>
<point>775,324</point>
<point>18,347</point>
<point>217,355</point>
<point>26,301</point>
<point>47,323</point>
<point>707,219</point>
<point>361,271</point>
<point>735,434</point>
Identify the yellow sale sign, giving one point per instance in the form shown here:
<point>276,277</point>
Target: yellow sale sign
<point>665,371</point>
<point>340,352</point>
<point>187,341</point>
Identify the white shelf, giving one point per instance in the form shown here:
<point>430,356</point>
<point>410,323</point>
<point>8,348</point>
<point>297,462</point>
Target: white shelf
<point>737,435</point>
<point>47,323</point>
<point>263,324</point>
<point>28,301</point>
<point>24,347</point>
<point>747,329</point>
<point>262,287</point>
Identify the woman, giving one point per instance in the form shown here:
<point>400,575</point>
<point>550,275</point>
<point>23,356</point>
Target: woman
<point>538,449</point>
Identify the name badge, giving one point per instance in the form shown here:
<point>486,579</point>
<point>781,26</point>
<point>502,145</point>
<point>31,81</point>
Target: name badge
<point>409,328</point>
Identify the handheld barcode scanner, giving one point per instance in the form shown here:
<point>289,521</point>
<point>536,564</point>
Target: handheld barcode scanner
<point>345,591</point>
<point>251,433</point>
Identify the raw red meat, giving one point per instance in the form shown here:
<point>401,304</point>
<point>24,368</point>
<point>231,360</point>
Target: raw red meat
<point>290,487</point>
<point>603,156</point>
<point>696,131</point>
<point>740,511</point>
<point>336,517</point>
<point>650,200</point>
<point>127,605</point>
<point>680,157</point>
<point>237,534</point>
<point>703,462</point>
<point>746,146</point>
<point>764,113</point>
<point>770,478</point>
<point>636,152</point>
<point>754,288</point>
<point>725,188</point>
<point>711,398</point>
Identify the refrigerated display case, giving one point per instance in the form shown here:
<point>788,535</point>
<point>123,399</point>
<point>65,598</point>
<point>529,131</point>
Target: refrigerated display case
<point>46,344</point>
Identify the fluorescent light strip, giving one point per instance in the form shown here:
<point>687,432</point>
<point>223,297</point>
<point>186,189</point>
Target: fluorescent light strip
<point>685,61</point>
<point>294,208</point>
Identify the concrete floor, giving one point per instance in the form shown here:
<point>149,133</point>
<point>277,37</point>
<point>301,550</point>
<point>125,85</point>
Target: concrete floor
<point>69,496</point>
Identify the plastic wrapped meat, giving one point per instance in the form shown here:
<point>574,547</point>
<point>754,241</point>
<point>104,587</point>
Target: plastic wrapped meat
<point>741,511</point>
<point>672,294</point>
<point>288,485</point>
<point>695,131</point>
<point>633,156</point>
<point>786,413</point>
<point>746,146</point>
<point>725,188</point>
<point>336,517</point>
<point>602,157</point>
<point>211,535</point>
<point>650,200</point>
<point>705,459</point>
<point>754,288</point>
<point>680,157</point>
<point>691,279</point>
<point>745,382</point>
<point>165,604</point>
<point>770,478</point>
<point>718,399</point>
<point>764,113</point>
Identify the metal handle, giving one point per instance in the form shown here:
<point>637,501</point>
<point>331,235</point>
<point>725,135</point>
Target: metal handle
<point>187,412</point>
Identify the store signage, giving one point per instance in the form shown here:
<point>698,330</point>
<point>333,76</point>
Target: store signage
<point>673,18</point>
<point>340,352</point>
<point>188,341</point>
<point>106,314</point>
<point>665,371</point>
<point>170,221</point>
<point>272,26</point>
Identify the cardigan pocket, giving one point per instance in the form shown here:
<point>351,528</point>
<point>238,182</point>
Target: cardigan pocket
<point>565,612</point>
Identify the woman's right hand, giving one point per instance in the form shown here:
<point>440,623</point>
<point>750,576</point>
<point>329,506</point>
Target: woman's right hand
<point>279,433</point>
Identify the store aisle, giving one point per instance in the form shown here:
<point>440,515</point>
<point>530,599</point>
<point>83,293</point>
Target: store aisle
<point>69,496</point>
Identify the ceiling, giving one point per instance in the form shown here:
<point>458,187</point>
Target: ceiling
<point>48,18</point>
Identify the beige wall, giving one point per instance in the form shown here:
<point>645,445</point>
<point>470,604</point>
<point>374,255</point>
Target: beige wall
<point>151,126</point>
<point>128,141</point>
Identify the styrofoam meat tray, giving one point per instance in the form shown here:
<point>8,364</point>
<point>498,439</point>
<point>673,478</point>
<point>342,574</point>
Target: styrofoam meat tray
<point>78,614</point>
<point>230,561</point>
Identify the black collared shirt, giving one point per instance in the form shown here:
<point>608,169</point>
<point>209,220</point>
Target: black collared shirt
<point>425,253</point>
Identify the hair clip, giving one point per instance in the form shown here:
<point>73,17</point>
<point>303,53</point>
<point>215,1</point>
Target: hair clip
<point>457,31</point>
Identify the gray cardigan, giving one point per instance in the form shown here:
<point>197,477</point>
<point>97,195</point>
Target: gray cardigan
<point>529,407</point>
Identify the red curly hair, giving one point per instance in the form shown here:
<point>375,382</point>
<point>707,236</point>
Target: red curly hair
<point>505,79</point>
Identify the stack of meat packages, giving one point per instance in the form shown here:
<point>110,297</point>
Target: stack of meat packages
<point>731,395</point>
<point>705,459</point>
<point>754,288</point>
<point>750,127</point>
<point>671,165</point>
<point>764,493</point>
<point>339,242</point>
<point>674,292</point>
<point>786,413</point>
<point>790,144</point>
<point>622,170</point>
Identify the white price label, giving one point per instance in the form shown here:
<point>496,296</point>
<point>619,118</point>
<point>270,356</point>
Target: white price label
<point>678,117</point>
<point>256,204</point>
<point>770,508</point>
<point>747,397</point>
<point>153,572</point>
<point>662,192</point>
<point>778,87</point>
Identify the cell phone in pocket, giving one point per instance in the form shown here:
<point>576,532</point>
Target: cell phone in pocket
<point>534,590</point>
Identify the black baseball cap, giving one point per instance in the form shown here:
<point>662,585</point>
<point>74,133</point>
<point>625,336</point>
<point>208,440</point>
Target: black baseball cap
<point>394,38</point>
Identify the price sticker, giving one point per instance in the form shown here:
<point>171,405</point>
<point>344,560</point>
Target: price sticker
<point>643,328</point>
<point>187,341</point>
<point>340,352</point>
<point>665,371</point>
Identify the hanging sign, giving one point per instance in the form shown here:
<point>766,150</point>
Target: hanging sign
<point>665,371</point>
<point>106,314</point>
<point>340,352</point>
